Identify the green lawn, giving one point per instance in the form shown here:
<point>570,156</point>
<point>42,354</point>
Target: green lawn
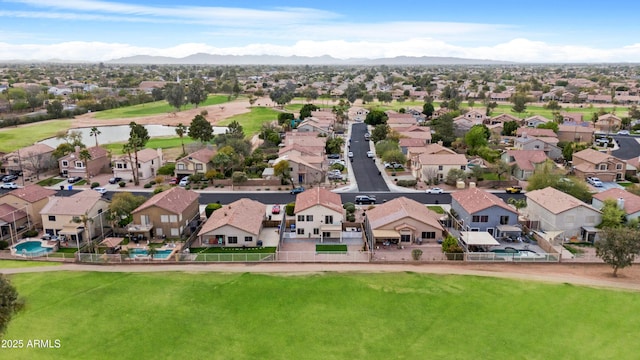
<point>331,248</point>
<point>51,181</point>
<point>154,108</point>
<point>368,316</point>
<point>153,143</point>
<point>10,264</point>
<point>436,209</point>
<point>252,121</point>
<point>15,138</point>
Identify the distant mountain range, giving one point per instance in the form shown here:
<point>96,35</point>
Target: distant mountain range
<point>211,59</point>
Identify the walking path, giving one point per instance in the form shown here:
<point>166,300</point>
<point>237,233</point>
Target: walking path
<point>594,275</point>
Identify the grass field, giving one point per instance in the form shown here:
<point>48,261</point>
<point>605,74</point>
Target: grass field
<point>12,139</point>
<point>322,316</point>
<point>154,108</point>
<point>331,248</point>
<point>252,121</point>
<point>153,143</point>
<point>9,264</point>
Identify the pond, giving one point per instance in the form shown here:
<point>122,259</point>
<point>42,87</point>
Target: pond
<point>120,133</point>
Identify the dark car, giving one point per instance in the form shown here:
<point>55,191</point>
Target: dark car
<point>115,180</point>
<point>333,156</point>
<point>297,190</point>
<point>365,199</point>
<point>9,178</point>
<point>74,179</point>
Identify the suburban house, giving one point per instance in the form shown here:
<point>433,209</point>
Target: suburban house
<point>523,162</point>
<point>400,120</point>
<point>535,132</point>
<point>606,167</point>
<point>319,214</point>
<point>12,220</point>
<point>429,167</point>
<point>31,160</point>
<point>357,113</point>
<point>315,125</point>
<point>198,162</point>
<point>304,169</point>
<point>625,200</point>
<point>554,210</point>
<point>546,144</point>
<point>72,165</point>
<point>479,210</point>
<point>234,225</point>
<point>576,133</point>
<point>608,123</point>
<point>534,121</point>
<point>503,118</point>
<point>402,221</point>
<point>170,213</point>
<point>149,161</point>
<point>30,199</point>
<point>64,215</point>
<point>415,132</point>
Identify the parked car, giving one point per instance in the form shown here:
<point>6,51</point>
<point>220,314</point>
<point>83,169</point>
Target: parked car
<point>341,162</point>
<point>350,154</point>
<point>370,154</point>
<point>435,190</point>
<point>9,178</point>
<point>275,209</point>
<point>173,181</point>
<point>297,190</point>
<point>101,190</point>
<point>392,166</point>
<point>624,132</point>
<point>514,189</point>
<point>594,181</point>
<point>335,176</point>
<point>184,182</point>
<point>115,180</point>
<point>367,136</point>
<point>333,156</point>
<point>365,199</point>
<point>74,179</point>
<point>9,185</point>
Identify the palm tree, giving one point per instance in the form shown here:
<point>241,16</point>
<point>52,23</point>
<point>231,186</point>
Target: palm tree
<point>85,219</point>
<point>85,156</point>
<point>95,132</point>
<point>181,131</point>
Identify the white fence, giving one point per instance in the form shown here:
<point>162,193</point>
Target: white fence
<point>227,257</point>
<point>510,257</point>
<point>311,256</point>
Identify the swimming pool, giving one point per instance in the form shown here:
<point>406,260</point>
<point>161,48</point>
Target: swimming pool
<point>31,248</point>
<point>160,254</point>
<point>519,253</point>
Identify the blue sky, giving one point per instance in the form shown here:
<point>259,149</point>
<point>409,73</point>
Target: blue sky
<point>89,30</point>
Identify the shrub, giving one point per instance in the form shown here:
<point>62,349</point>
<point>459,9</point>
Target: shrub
<point>159,179</point>
<point>451,248</point>
<point>196,177</point>
<point>152,182</point>
<point>407,183</point>
<point>158,190</point>
<point>122,184</point>
<point>4,244</point>
<point>167,169</point>
<point>188,187</point>
<point>288,209</point>
<point>94,185</point>
<point>351,217</point>
<point>631,178</point>
<point>349,207</point>
<point>147,185</point>
<point>416,254</point>
<point>30,233</point>
<point>210,208</point>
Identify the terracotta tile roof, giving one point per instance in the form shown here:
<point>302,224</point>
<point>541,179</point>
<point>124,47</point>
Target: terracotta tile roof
<point>301,160</point>
<point>35,149</point>
<point>297,147</point>
<point>244,214</point>
<point>443,159</point>
<point>631,201</point>
<point>32,193</point>
<point>318,196</point>
<point>175,200</point>
<point>555,201</point>
<point>400,208</point>
<point>576,129</point>
<point>535,132</point>
<point>10,214</point>
<point>203,155</point>
<point>592,156</point>
<point>411,142</point>
<point>437,148</point>
<point>474,200</point>
<point>526,159</point>
<point>75,205</point>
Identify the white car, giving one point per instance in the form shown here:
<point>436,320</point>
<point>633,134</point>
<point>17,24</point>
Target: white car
<point>370,154</point>
<point>341,162</point>
<point>435,190</point>
<point>350,154</point>
<point>183,182</point>
<point>623,132</point>
<point>9,185</point>
<point>101,190</point>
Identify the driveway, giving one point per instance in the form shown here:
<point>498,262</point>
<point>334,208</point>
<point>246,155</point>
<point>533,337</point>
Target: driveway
<point>628,147</point>
<point>364,169</point>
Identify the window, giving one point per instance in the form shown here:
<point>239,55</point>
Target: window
<point>300,231</point>
<point>232,240</point>
<point>602,166</point>
<point>480,218</point>
<point>144,220</point>
<point>173,218</point>
<point>248,238</point>
<point>440,167</point>
<point>316,231</point>
<point>504,220</point>
<point>164,218</point>
<point>65,163</point>
<point>52,218</point>
<point>79,164</point>
<point>618,166</point>
<point>175,232</point>
<point>198,166</point>
<point>309,217</point>
<point>463,167</point>
<point>428,234</point>
<point>326,234</point>
<point>180,166</point>
<point>328,219</point>
<point>301,218</point>
<point>121,165</point>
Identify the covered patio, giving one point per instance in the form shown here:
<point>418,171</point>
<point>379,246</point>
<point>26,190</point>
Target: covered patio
<point>508,232</point>
<point>330,232</point>
<point>386,236</point>
<point>478,240</point>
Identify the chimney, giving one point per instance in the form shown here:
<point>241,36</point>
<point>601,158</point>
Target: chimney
<point>442,144</point>
<point>159,150</point>
<point>77,148</point>
<point>608,150</point>
<point>620,202</point>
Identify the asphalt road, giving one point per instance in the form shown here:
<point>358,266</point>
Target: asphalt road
<point>364,168</point>
<point>628,147</point>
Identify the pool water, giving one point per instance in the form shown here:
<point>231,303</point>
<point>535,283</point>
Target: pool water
<point>160,254</point>
<point>32,248</point>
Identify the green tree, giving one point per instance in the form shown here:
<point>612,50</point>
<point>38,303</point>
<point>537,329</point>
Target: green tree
<point>570,148</point>
<point>510,128</point>
<point>455,175</point>
<point>239,177</point>
<point>427,109</point>
<point>235,130</point>
<point>10,303</point>
<point>501,169</point>
<point>618,247</point>
<point>376,117</point>
<point>385,146</point>
<point>84,155</point>
<point>200,129</point>
<point>138,137</point>
<point>222,159</point>
<point>174,93</point>
<point>384,96</point>
<point>517,203</point>
<point>306,110</point>
<point>519,103</point>
<point>394,156</point>
<point>281,168</point>
<point>553,105</point>
<point>196,92</point>
<point>476,137</point>
<point>95,132</point>
<point>549,125</point>
<point>181,131</point>
<point>285,118</point>
<point>444,130</point>
<point>84,219</point>
<point>210,208</point>
<point>380,132</point>
<point>54,109</point>
<point>283,95</point>
<point>334,145</point>
<point>612,214</point>
<point>63,149</point>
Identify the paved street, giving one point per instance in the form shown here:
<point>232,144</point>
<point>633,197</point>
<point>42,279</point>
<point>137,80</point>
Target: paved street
<point>364,168</point>
<point>628,147</point>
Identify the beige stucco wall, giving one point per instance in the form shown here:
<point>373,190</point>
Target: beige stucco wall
<point>319,213</point>
<point>227,231</point>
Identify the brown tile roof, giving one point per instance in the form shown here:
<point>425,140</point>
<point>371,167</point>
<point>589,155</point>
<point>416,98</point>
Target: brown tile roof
<point>535,132</point>
<point>10,214</point>
<point>32,193</point>
<point>555,201</point>
<point>526,159</point>
<point>96,152</point>
<point>75,205</point>
<point>203,155</point>
<point>474,200</point>
<point>400,208</point>
<point>244,214</point>
<point>318,196</point>
<point>576,129</point>
<point>175,200</point>
<point>411,142</point>
<point>35,149</point>
<point>443,159</point>
<point>592,156</point>
<point>631,201</point>
<point>147,155</point>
